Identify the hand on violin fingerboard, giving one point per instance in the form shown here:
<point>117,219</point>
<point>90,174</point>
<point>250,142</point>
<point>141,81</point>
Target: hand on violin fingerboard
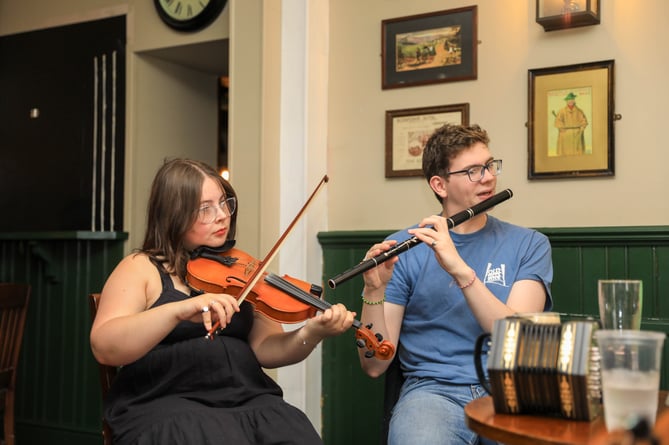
<point>333,321</point>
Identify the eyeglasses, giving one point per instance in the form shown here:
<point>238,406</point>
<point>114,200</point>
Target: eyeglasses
<point>476,172</point>
<point>208,213</point>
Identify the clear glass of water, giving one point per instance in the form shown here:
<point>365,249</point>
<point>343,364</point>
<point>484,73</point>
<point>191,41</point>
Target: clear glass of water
<point>630,368</point>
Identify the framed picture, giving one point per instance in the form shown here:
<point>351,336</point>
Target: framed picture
<point>429,48</point>
<point>408,130</point>
<point>570,124</point>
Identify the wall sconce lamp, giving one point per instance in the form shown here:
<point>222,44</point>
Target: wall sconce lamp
<point>563,14</point>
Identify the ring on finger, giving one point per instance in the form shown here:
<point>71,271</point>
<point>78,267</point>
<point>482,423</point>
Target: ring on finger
<point>434,243</point>
<point>205,309</point>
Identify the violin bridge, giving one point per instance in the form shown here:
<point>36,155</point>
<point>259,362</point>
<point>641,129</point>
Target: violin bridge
<point>253,265</point>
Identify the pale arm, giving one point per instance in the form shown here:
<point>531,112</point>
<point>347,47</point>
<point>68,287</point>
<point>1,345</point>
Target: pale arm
<point>124,330</point>
<point>385,318</point>
<point>275,348</point>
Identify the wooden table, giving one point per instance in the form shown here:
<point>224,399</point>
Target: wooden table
<point>525,429</point>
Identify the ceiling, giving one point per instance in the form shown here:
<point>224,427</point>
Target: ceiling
<point>209,57</point>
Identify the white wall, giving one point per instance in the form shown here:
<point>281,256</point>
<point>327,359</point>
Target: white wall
<point>174,115</point>
<point>511,43</point>
<point>145,30</point>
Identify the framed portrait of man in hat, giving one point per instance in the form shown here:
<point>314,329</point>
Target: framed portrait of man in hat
<point>570,135</point>
<point>570,122</point>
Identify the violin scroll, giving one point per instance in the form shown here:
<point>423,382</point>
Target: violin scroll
<point>375,344</point>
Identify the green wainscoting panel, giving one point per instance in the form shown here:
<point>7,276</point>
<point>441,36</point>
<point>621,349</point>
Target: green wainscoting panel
<point>353,402</point>
<point>581,256</point>
<point>58,387</point>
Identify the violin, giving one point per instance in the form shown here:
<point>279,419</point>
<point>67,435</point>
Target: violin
<point>282,299</point>
<point>209,270</point>
<point>375,344</point>
<point>228,273</point>
<point>253,270</point>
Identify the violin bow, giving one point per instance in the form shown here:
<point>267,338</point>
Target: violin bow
<point>264,263</point>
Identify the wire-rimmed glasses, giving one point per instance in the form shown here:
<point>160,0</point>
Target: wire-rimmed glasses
<point>476,172</point>
<point>207,214</point>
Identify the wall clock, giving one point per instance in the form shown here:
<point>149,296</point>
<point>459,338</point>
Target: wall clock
<point>189,15</point>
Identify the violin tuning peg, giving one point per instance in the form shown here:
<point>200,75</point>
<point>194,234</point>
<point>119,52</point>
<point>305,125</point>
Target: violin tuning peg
<point>360,342</point>
<point>369,354</point>
<point>369,326</point>
<point>379,337</point>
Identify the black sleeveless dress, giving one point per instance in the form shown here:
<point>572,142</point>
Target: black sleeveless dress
<point>191,390</point>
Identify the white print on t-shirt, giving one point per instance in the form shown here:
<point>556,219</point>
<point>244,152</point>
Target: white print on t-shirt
<point>495,275</point>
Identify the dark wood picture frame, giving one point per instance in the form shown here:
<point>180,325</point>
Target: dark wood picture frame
<point>429,48</point>
<point>407,131</point>
<point>573,142</point>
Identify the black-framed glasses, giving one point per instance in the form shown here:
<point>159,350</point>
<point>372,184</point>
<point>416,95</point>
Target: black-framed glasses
<point>208,213</point>
<point>476,172</point>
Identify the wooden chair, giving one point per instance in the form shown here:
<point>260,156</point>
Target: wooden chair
<point>14,298</point>
<point>107,373</point>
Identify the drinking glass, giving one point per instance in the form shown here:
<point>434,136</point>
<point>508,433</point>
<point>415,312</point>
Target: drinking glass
<point>630,372</point>
<point>620,303</point>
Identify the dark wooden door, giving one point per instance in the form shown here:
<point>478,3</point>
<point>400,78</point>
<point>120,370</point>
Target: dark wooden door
<point>62,120</point>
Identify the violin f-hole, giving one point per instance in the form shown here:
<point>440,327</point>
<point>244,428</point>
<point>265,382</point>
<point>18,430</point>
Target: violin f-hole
<point>230,278</point>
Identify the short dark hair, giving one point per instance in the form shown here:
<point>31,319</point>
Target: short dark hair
<point>446,143</point>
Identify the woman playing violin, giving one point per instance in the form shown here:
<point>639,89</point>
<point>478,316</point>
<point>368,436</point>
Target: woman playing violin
<point>174,384</point>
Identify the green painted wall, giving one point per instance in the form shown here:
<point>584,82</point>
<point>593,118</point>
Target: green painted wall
<point>58,387</point>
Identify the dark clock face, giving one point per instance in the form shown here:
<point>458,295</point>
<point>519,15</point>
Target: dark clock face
<point>189,15</point>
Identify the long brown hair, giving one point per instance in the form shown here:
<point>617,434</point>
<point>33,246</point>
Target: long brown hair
<point>173,207</point>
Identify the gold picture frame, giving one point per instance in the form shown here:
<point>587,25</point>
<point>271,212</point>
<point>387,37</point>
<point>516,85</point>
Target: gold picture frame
<point>570,123</point>
<point>407,131</point>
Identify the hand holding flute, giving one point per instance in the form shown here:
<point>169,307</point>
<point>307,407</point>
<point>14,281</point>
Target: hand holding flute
<point>377,278</point>
<point>398,248</point>
<point>434,231</point>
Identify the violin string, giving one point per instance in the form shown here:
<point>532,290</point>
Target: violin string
<point>305,297</point>
<point>291,289</point>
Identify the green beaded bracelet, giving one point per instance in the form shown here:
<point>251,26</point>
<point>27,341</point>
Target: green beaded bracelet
<point>373,303</point>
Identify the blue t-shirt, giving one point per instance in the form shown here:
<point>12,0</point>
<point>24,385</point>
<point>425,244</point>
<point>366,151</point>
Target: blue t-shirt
<point>439,331</point>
